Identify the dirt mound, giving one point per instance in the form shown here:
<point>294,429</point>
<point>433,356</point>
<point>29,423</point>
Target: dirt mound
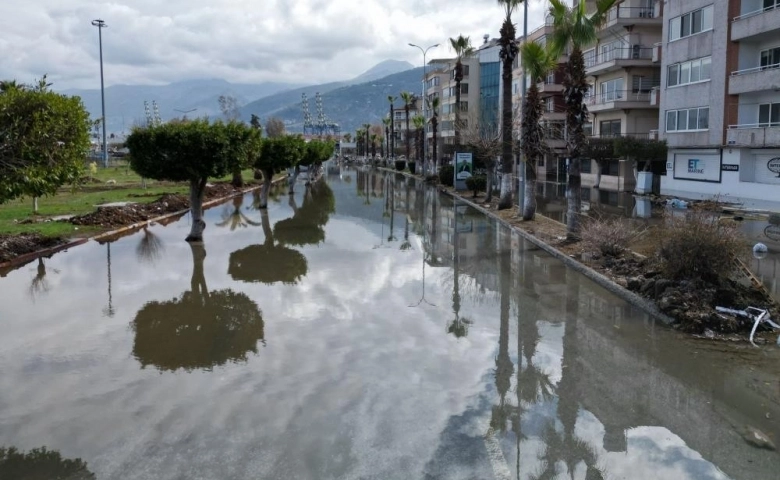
<point>691,303</point>
<point>12,246</point>
<point>110,217</point>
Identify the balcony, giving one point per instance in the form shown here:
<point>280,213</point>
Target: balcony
<point>618,58</point>
<point>757,79</point>
<point>754,135</point>
<point>755,23</point>
<point>655,96</point>
<point>621,16</point>
<point>618,100</point>
<point>549,87</point>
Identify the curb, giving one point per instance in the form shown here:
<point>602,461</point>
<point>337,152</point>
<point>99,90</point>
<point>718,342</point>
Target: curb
<point>640,302</point>
<point>27,257</point>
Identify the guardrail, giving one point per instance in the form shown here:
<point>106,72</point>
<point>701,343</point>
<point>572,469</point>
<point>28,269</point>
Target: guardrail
<point>754,125</point>
<point>636,52</point>
<point>617,96</point>
<point>754,69</point>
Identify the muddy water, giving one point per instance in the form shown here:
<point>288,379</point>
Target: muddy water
<point>369,329</point>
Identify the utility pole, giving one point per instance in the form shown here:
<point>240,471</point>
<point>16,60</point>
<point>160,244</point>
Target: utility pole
<point>101,25</point>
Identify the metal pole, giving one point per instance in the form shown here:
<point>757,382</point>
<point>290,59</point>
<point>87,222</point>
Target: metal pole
<point>425,129</point>
<point>101,25</point>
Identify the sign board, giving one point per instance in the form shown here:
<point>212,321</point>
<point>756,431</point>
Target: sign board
<point>730,167</point>
<point>773,165</point>
<point>464,168</point>
<point>697,167</point>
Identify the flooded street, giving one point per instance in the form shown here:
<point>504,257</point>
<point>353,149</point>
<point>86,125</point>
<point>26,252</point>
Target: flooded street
<point>367,328</point>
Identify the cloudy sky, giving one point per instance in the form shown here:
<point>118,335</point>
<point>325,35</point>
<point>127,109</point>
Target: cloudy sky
<point>306,41</point>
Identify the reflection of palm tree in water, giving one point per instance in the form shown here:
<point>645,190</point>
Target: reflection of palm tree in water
<point>566,446</point>
<point>459,326</point>
<point>39,283</point>
<point>149,248</point>
<point>504,365</point>
<point>235,218</point>
<point>406,245</point>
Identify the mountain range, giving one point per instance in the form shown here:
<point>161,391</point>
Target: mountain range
<point>350,103</point>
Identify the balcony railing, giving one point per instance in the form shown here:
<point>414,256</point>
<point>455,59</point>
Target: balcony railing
<point>748,71</point>
<point>757,12</point>
<point>742,126</point>
<point>637,52</point>
<point>617,96</point>
<point>630,12</point>
<point>651,135</point>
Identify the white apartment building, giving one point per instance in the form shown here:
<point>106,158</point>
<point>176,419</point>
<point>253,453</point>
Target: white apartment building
<point>720,99</point>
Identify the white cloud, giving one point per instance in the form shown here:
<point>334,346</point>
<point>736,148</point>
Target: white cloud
<point>302,41</point>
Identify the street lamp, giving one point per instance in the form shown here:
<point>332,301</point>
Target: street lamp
<point>101,25</point>
<point>422,99</point>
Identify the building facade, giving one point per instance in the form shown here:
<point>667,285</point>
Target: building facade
<point>721,99</point>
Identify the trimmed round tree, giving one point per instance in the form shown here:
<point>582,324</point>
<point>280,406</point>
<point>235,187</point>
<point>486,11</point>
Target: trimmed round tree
<point>278,154</point>
<point>44,139</point>
<point>192,152</point>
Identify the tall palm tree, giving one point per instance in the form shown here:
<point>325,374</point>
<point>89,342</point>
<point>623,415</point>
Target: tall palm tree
<point>366,128</point>
<point>537,61</point>
<point>347,138</point>
<point>374,141</point>
<point>391,138</point>
<point>433,105</point>
<point>463,50</point>
<point>575,28</point>
<point>359,141</point>
<point>388,122</point>
<point>408,98</point>
<point>507,54</point>
<point>419,127</point>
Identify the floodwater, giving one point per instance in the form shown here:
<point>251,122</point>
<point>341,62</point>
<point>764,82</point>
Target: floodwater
<point>369,329</point>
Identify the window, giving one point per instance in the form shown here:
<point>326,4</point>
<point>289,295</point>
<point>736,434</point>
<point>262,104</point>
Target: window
<point>610,167</point>
<point>549,104</point>
<point>464,107</point>
<point>644,83</point>
<point>585,165</point>
<point>769,115</point>
<point>691,23</point>
<point>770,4</point>
<point>609,128</point>
<point>689,72</point>
<point>611,90</point>
<point>550,80</point>
<point>688,119</point>
<point>464,88</point>
<point>770,58</point>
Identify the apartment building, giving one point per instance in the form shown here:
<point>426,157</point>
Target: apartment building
<point>399,122</point>
<point>624,74</point>
<point>720,99</point>
<point>435,78</point>
<point>469,101</point>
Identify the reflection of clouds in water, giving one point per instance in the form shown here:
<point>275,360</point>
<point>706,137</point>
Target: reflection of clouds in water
<point>652,453</point>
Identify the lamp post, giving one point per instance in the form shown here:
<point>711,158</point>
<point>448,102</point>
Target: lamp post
<point>101,25</point>
<point>422,99</point>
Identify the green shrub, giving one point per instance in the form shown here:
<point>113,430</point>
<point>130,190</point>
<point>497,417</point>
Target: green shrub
<point>447,175</point>
<point>698,245</point>
<point>476,183</point>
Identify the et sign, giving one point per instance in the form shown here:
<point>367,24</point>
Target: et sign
<point>694,166</point>
<point>703,167</point>
<point>773,165</point>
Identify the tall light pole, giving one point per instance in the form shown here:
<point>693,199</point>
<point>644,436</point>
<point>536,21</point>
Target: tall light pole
<point>101,25</point>
<point>422,99</point>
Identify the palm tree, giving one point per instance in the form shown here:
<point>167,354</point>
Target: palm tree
<point>391,141</point>
<point>537,61</point>
<point>408,99</point>
<point>358,140</point>
<point>433,105</point>
<point>10,85</point>
<point>374,141</point>
<point>463,49</point>
<point>507,54</point>
<point>366,128</point>
<point>388,122</point>
<point>574,27</point>
<point>419,126</point>
<point>347,138</point>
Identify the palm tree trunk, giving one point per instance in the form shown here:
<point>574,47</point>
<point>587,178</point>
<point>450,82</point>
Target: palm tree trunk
<point>529,202</point>
<point>197,189</point>
<point>508,53</point>
<point>408,140</point>
<point>575,87</point>
<point>458,69</point>
<point>435,125</point>
<point>391,147</point>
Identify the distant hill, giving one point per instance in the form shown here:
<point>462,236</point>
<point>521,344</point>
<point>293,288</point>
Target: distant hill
<point>381,70</point>
<point>348,105</point>
<point>125,103</point>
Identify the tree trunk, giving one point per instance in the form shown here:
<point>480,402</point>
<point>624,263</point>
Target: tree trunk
<point>391,146</point>
<point>408,139</point>
<point>35,205</point>
<point>296,172</point>
<point>575,86</point>
<point>508,53</point>
<point>197,189</point>
<point>598,175</point>
<point>491,172</point>
<point>435,126</point>
<point>529,202</point>
<point>458,79</point>
<point>267,177</point>
<point>238,179</point>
